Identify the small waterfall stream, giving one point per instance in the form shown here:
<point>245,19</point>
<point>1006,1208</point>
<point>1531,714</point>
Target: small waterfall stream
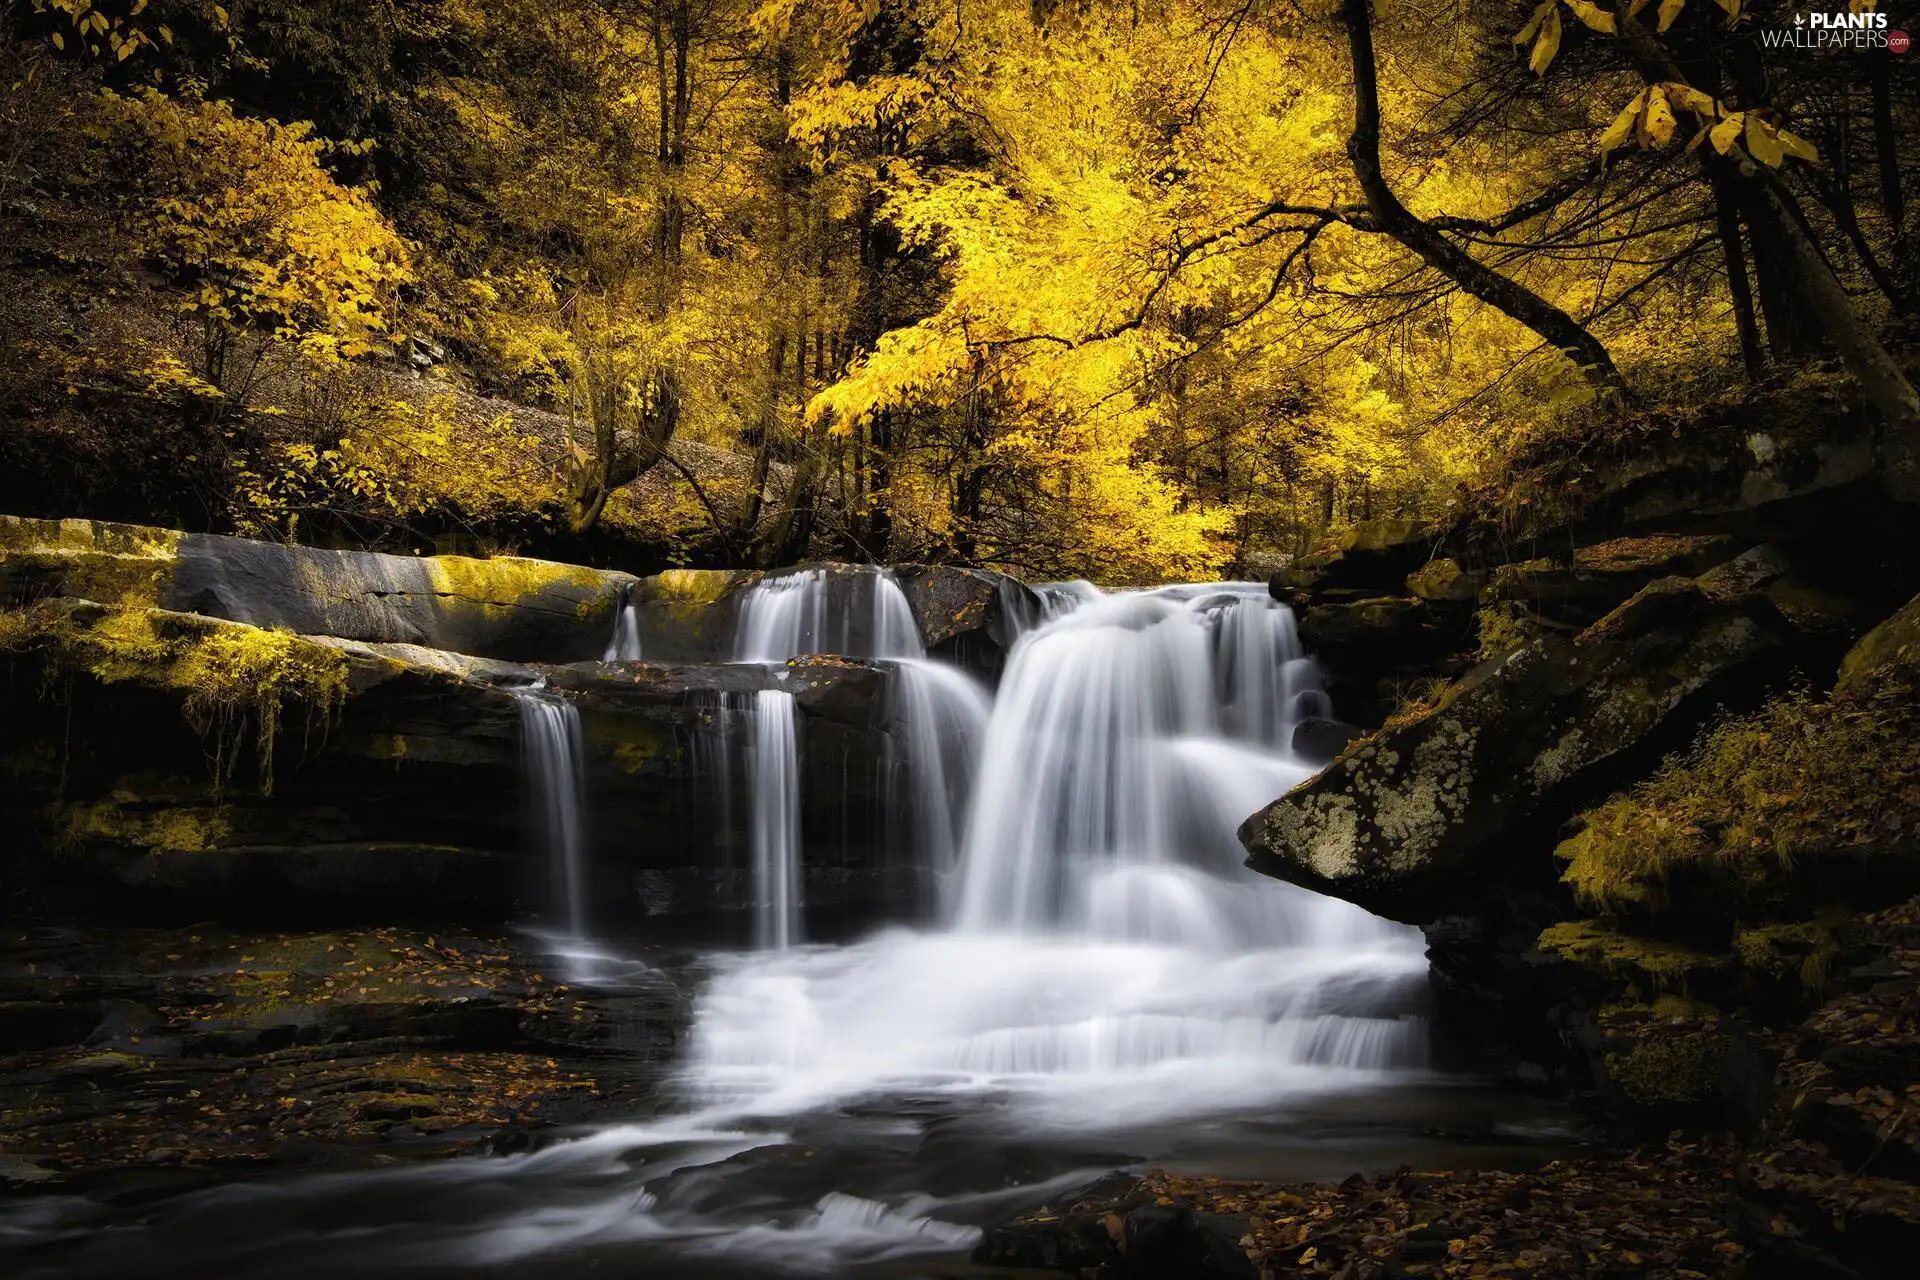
<point>775,796</point>
<point>625,644</point>
<point>554,763</point>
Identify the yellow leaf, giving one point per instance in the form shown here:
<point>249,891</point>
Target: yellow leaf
<point>1795,145</point>
<point>1532,29</point>
<point>1670,10</point>
<point>59,41</point>
<point>1659,118</point>
<point>1763,144</point>
<point>1311,1252</point>
<point>1622,126</point>
<point>1592,15</point>
<point>1733,7</point>
<point>1691,99</point>
<point>1727,131</point>
<point>1547,45</point>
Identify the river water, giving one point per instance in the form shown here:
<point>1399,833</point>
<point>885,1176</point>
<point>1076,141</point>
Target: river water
<point>1105,986</point>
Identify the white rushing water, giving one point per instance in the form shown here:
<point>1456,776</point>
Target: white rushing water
<point>625,644</point>
<point>1104,952</point>
<point>774,785</point>
<point>1105,980</point>
<point>554,764</point>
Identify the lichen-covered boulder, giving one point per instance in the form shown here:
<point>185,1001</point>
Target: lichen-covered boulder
<point>1887,658</point>
<point>1443,581</point>
<point>1599,576</point>
<point>1418,820</point>
<point>504,607</point>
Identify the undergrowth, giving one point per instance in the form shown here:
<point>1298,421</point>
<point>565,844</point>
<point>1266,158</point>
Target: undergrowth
<point>1797,778</point>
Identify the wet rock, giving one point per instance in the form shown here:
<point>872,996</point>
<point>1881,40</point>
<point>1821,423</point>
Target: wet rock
<point>506,607</point>
<point>403,798</point>
<point>1122,1226</point>
<point>1412,822</point>
<point>1316,738</point>
<point>1444,581</point>
<point>243,1051</point>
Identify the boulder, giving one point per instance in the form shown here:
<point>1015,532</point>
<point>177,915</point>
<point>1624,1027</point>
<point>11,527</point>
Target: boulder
<point>1417,821</point>
<point>1373,557</point>
<point>1603,574</point>
<point>1443,581</point>
<point>505,607</point>
<point>1317,738</point>
<point>1886,658</point>
<point>1371,649</point>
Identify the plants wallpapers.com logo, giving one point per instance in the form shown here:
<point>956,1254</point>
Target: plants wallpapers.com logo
<point>1856,30</point>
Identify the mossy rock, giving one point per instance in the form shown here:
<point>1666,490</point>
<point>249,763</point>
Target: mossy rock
<point>1615,961</point>
<point>1886,660</point>
<point>1415,821</point>
<point>503,607</point>
<point>1665,1063</point>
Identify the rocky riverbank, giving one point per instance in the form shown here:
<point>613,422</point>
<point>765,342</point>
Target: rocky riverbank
<point>1644,766</point>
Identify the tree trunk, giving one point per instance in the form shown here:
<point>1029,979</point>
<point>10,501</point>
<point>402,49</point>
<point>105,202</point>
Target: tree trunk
<point>1886,150</point>
<point>1739,289</point>
<point>1511,297</point>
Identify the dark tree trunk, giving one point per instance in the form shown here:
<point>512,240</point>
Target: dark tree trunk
<point>1893,202</point>
<point>1727,215</point>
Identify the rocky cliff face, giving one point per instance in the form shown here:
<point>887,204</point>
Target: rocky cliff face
<point>1644,768</point>
<point>207,726</point>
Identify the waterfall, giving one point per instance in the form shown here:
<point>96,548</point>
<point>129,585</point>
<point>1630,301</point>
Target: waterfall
<point>942,714</point>
<point>859,613</point>
<point>1265,683</point>
<point>625,644</point>
<point>1130,735</point>
<point>774,770</point>
<point>553,762</point>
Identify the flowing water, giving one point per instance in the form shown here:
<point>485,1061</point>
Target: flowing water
<point>1103,983</point>
<point>554,764</point>
<point>775,787</point>
<point>625,644</point>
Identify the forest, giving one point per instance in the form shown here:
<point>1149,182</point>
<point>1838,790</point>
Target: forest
<point>932,639</point>
<point>1131,292</point>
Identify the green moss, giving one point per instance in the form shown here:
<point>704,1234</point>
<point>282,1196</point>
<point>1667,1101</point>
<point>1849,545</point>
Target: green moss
<point>506,582</point>
<point>1669,1066</point>
<point>633,742</point>
<point>1657,967</point>
<point>688,593</point>
<point>1799,778</point>
<point>232,680</point>
<point>1503,628</point>
<point>166,830</point>
<point>1805,951</point>
<point>1416,702</point>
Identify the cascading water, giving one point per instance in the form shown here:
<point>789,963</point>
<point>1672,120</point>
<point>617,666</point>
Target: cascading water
<point>552,760</point>
<point>861,614</point>
<point>774,775</point>
<point>1107,982</point>
<point>941,711</point>
<point>625,644</point>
